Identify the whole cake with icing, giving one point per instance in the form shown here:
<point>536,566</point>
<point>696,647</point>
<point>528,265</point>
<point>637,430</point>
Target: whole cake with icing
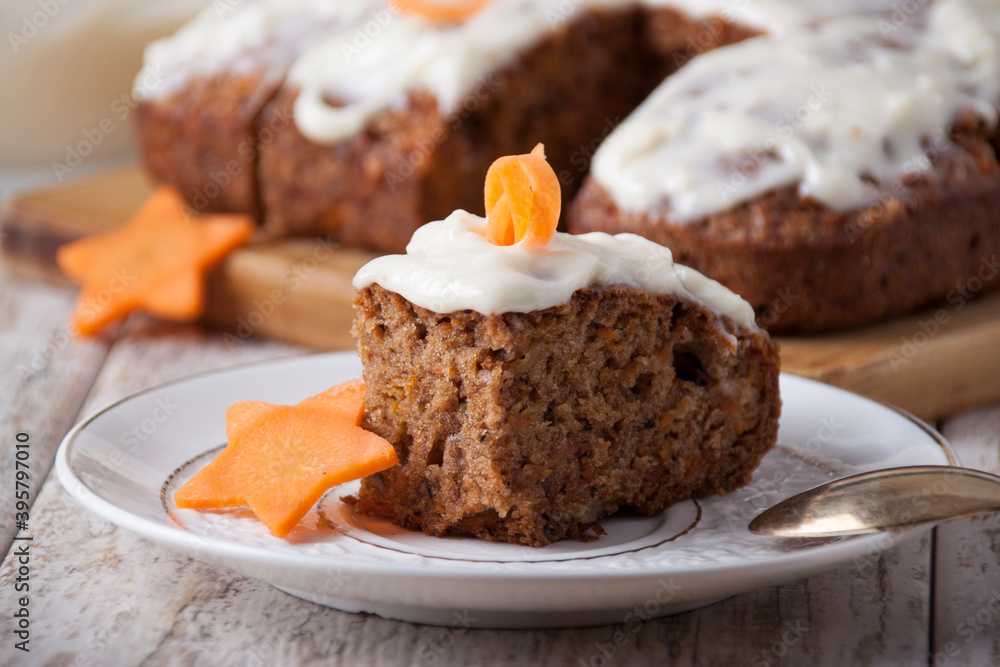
<point>834,163</point>
<point>832,176</point>
<point>532,389</point>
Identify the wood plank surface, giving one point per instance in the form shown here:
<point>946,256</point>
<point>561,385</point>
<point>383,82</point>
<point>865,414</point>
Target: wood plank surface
<point>47,374</point>
<point>34,223</point>
<point>967,558</point>
<point>295,290</point>
<point>299,291</point>
<point>953,368</point>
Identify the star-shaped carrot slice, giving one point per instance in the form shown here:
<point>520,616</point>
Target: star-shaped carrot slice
<point>282,459</point>
<point>155,262</point>
<point>217,485</point>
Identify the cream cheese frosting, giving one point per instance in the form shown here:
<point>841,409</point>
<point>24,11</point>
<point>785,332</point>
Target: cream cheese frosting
<point>836,95</point>
<point>259,38</point>
<point>376,56</point>
<point>450,265</point>
<point>367,71</point>
<point>830,108</point>
<point>778,16</point>
<point>366,54</point>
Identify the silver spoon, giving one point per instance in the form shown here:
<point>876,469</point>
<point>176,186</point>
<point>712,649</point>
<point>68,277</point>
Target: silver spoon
<point>882,500</point>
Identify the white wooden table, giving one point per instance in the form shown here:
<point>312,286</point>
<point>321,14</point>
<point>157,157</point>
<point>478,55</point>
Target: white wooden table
<point>101,596</point>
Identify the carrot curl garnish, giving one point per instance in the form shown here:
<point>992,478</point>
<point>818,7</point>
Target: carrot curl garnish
<point>441,12</point>
<point>155,262</point>
<point>523,199</point>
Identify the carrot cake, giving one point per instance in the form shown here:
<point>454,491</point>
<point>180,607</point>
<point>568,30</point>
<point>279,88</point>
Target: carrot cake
<point>831,176</point>
<point>834,163</point>
<point>530,392</point>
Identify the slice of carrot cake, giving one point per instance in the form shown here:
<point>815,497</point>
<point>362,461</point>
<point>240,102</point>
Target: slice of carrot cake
<point>531,390</point>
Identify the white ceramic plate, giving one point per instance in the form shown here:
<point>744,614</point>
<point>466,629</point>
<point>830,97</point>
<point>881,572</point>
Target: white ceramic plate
<point>124,463</point>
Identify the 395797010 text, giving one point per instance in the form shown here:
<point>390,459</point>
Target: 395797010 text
<point>21,551</point>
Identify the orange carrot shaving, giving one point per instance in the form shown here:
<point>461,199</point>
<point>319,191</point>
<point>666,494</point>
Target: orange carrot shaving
<point>155,262</point>
<point>523,199</point>
<point>282,459</point>
<point>441,11</point>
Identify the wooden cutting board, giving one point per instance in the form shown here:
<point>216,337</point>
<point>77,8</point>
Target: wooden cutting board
<point>300,290</point>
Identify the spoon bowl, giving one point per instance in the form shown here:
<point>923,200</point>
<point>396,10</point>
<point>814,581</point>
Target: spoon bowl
<point>889,499</point>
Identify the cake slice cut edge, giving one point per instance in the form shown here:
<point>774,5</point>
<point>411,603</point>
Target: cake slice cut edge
<point>530,427</point>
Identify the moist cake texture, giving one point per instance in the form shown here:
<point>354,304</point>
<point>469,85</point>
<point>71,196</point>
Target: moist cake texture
<point>530,427</point>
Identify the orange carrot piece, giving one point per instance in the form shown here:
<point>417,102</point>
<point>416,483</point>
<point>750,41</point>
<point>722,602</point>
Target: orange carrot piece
<point>155,262</point>
<point>290,461</point>
<point>215,486</point>
<point>281,459</point>
<point>242,416</point>
<point>523,199</point>
<point>440,11</point>
<point>347,398</point>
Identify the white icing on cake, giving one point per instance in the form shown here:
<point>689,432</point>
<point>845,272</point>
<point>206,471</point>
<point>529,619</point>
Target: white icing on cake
<point>367,55</point>
<point>259,38</point>
<point>450,265</point>
<point>376,57</point>
<point>777,16</point>
<point>409,53</point>
<point>836,95</point>
<point>829,108</point>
